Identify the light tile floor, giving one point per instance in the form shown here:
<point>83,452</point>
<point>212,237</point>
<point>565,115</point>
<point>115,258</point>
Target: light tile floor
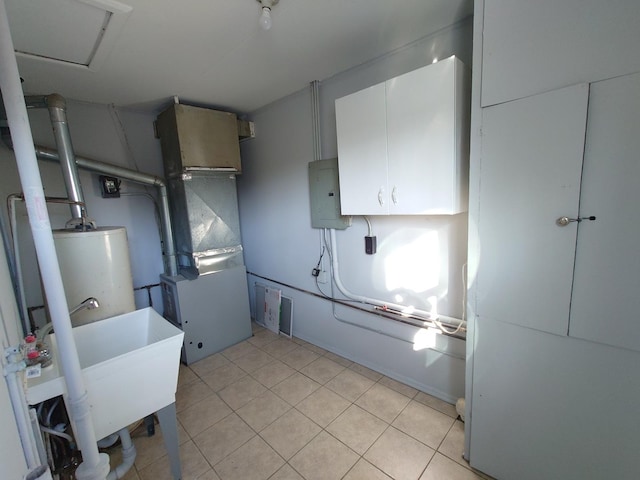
<point>280,409</point>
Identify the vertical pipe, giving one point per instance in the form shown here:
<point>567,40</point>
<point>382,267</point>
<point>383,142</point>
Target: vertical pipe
<point>57,106</point>
<point>171,265</point>
<point>315,117</point>
<point>58,114</point>
<point>22,301</point>
<point>93,464</point>
<point>20,413</point>
<point>317,143</point>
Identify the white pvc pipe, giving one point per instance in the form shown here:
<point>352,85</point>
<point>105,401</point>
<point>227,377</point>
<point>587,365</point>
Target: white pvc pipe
<point>22,301</point>
<point>128,456</point>
<point>93,463</point>
<point>428,316</point>
<point>20,413</point>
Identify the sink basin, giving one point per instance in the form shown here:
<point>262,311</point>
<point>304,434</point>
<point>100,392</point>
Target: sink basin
<point>130,366</point>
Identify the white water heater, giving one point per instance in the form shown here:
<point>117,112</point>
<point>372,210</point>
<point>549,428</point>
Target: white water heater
<point>96,264</point>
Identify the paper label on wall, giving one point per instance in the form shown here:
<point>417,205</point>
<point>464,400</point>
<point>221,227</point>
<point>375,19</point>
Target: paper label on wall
<point>272,297</point>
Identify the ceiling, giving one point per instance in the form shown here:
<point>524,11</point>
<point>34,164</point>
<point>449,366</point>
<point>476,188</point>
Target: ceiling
<point>141,53</point>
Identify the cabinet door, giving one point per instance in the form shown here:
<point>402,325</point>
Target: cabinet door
<point>532,152</point>
<point>606,300</point>
<point>421,140</point>
<point>362,152</point>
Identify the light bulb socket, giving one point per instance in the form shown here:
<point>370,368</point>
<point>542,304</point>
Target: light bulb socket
<point>268,3</point>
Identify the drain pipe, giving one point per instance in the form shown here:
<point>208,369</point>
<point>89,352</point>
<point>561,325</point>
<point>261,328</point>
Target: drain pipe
<point>95,466</point>
<point>96,166</point>
<point>128,456</point>
<point>16,394</point>
<point>57,107</point>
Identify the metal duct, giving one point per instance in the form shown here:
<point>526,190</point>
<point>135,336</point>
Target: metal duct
<point>57,106</point>
<point>205,213</point>
<point>96,166</point>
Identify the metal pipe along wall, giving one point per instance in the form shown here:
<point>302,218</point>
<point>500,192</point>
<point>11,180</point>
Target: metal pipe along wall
<point>96,166</point>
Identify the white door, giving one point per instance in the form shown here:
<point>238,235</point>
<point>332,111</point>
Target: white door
<point>606,292</point>
<point>362,152</point>
<point>532,152</point>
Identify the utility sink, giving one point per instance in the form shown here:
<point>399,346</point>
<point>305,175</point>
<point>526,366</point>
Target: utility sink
<point>130,366</point>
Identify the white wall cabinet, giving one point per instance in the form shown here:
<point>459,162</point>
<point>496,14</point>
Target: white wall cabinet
<point>362,152</point>
<point>403,144</point>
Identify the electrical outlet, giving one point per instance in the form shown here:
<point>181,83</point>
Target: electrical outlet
<point>110,186</point>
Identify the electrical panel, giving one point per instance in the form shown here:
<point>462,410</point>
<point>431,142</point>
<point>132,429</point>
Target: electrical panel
<point>324,190</point>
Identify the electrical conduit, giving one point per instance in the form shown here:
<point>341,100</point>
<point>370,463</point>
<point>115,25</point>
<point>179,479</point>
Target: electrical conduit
<point>95,466</point>
<point>22,301</point>
<point>428,316</point>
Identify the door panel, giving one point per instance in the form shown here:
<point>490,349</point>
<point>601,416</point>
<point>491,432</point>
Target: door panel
<point>532,153</point>
<point>606,292</point>
<point>421,140</point>
<point>362,152</point>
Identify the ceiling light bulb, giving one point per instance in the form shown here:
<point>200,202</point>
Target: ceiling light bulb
<point>265,18</point>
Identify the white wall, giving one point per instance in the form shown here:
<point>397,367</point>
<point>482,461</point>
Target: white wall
<point>281,245</point>
<point>120,137</point>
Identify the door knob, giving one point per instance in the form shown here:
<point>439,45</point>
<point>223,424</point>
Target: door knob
<point>564,221</point>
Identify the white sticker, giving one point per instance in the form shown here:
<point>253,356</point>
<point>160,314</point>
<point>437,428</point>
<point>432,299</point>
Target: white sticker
<point>33,371</point>
<point>37,209</point>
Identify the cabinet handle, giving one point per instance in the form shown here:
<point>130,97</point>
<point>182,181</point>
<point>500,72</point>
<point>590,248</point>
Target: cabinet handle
<point>394,195</point>
<point>381,196</point>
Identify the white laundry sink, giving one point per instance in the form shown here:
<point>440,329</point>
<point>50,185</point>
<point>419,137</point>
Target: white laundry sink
<point>130,366</point>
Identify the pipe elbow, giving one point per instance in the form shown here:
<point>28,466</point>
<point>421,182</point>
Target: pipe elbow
<point>55,100</point>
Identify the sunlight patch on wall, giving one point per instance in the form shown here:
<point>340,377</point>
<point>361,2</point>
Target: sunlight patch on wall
<point>425,338</point>
<point>415,266</point>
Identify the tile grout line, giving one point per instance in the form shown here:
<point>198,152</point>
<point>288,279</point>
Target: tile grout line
<point>296,369</point>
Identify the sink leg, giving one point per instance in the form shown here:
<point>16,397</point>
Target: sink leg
<point>149,423</point>
<point>169,427</point>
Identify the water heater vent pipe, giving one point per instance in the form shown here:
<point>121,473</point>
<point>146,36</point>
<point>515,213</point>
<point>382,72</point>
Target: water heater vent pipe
<point>57,106</point>
<point>96,166</point>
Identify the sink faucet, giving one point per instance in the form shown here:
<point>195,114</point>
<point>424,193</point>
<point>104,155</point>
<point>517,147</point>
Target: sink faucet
<point>89,304</point>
